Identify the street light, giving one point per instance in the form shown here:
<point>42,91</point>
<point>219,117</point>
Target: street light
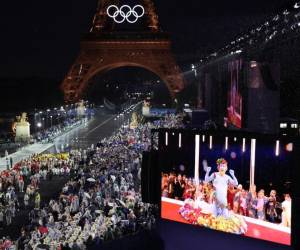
<point>194,69</point>
<point>7,162</point>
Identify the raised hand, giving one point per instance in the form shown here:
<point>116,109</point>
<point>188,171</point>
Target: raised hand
<point>208,169</point>
<point>231,172</point>
<point>204,163</point>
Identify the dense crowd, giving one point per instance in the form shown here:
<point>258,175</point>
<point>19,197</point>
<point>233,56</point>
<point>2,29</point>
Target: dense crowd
<point>102,199</point>
<point>25,177</point>
<point>46,135</point>
<point>249,203</point>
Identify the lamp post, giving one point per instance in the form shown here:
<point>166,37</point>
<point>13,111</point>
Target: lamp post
<point>39,120</point>
<point>47,117</point>
<point>50,121</point>
<point>7,161</point>
<point>39,125</point>
<point>194,69</point>
<point>35,121</point>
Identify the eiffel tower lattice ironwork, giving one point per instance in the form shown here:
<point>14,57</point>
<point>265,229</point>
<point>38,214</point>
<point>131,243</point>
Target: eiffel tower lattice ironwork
<point>105,48</point>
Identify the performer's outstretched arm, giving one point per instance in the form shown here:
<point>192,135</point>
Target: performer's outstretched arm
<point>207,177</point>
<point>233,180</point>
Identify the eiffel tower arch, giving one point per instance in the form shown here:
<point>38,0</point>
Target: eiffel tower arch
<point>105,48</point>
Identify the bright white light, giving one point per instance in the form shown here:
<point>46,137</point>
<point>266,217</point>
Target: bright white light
<point>252,161</point>
<point>283,125</point>
<point>179,140</point>
<point>226,143</point>
<point>203,138</point>
<point>253,64</point>
<point>197,158</point>
<point>244,145</point>
<point>39,125</point>
<point>210,142</point>
<point>297,5</point>
<point>294,125</point>
<point>277,148</point>
<point>167,138</point>
<point>235,138</point>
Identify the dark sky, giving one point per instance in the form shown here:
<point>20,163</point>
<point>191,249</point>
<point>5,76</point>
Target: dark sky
<point>41,37</point>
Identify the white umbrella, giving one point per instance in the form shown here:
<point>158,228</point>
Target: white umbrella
<point>91,180</point>
<point>87,195</point>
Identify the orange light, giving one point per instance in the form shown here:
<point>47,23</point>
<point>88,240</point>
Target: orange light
<point>289,147</point>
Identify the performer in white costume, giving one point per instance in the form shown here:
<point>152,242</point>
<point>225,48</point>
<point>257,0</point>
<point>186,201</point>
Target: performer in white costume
<point>286,211</point>
<point>220,182</point>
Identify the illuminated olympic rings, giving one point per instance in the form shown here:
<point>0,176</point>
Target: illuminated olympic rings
<point>125,13</point>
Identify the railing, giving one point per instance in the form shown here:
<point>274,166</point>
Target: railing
<point>127,35</point>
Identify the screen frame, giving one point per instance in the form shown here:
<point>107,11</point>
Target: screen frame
<point>241,134</point>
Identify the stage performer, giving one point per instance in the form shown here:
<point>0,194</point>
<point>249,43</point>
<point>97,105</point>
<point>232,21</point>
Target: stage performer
<point>220,182</point>
<point>286,211</point>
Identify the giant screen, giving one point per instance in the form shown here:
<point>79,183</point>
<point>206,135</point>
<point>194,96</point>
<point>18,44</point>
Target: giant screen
<point>235,100</point>
<point>239,185</point>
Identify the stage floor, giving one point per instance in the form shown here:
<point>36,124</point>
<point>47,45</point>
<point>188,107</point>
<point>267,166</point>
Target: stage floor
<point>256,228</point>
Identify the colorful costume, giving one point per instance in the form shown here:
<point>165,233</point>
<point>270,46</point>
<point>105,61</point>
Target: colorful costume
<point>216,215</point>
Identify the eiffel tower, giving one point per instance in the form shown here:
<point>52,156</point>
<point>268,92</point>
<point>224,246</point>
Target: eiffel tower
<point>107,47</point>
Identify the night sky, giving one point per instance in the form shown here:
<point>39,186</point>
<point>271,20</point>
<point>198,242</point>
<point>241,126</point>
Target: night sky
<point>41,38</point>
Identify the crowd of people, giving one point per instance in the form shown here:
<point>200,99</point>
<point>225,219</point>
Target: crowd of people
<point>101,199</point>
<point>251,203</point>
<point>42,135</point>
<point>46,135</point>
<point>24,178</point>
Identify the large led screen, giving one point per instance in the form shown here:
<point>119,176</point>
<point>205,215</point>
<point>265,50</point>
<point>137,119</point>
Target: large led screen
<point>232,184</point>
<point>235,100</point>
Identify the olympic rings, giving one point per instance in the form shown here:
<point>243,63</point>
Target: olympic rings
<point>125,13</point>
